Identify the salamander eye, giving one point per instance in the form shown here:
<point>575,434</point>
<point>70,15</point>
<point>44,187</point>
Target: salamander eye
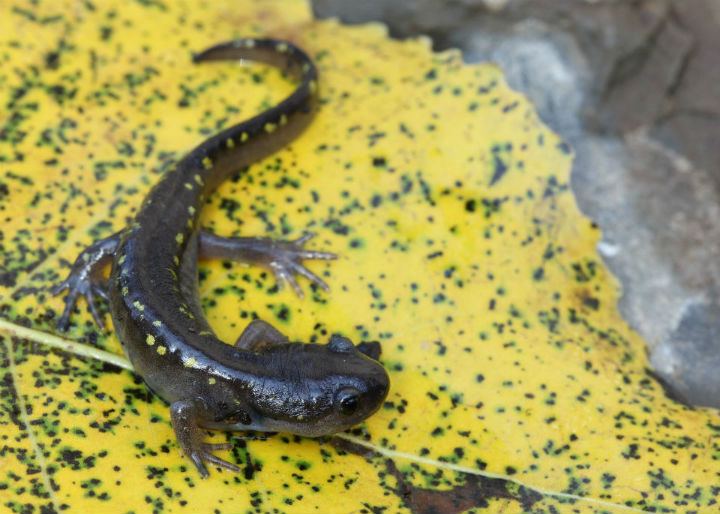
<point>347,400</point>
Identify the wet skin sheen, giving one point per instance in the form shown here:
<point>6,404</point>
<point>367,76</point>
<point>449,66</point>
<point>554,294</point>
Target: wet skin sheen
<point>263,382</point>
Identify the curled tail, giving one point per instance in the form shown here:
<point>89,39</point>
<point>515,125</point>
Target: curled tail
<point>261,135</point>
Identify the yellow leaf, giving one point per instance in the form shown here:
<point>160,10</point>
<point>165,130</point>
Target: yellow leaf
<point>516,386</point>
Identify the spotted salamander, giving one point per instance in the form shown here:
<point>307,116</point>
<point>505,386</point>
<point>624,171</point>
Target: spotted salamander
<point>263,382</point>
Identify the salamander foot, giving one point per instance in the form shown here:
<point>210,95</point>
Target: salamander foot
<point>85,279</point>
<point>185,416</point>
<point>283,258</point>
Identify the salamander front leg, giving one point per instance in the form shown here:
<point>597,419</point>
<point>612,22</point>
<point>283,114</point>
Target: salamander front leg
<point>283,258</point>
<point>186,416</point>
<point>259,333</point>
<point>85,278</point>
<point>372,349</point>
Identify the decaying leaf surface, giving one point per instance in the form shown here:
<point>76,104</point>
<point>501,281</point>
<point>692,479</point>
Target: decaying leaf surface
<point>516,386</point>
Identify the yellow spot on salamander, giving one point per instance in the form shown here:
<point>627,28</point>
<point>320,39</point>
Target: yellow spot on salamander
<point>244,137</point>
<point>184,309</point>
<point>189,363</point>
<point>188,185</point>
<point>198,179</point>
<point>313,86</point>
<point>161,350</point>
<point>124,291</point>
<point>179,238</point>
<point>270,127</point>
<point>281,47</point>
<point>191,210</point>
<point>211,381</point>
<point>249,43</point>
<point>157,323</point>
<point>305,67</point>
<point>138,305</point>
<point>121,259</point>
<point>207,163</point>
<point>176,260</point>
<point>150,339</point>
<point>205,333</point>
<point>230,143</point>
<point>283,119</point>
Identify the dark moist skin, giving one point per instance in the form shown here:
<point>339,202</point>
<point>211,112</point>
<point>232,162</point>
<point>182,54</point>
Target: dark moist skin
<point>263,382</point>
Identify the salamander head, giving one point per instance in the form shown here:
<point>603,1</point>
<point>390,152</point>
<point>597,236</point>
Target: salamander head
<point>324,389</point>
<point>363,389</point>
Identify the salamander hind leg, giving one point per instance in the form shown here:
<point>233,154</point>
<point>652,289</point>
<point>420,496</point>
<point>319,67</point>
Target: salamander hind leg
<point>85,279</point>
<point>283,258</point>
<point>186,416</point>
